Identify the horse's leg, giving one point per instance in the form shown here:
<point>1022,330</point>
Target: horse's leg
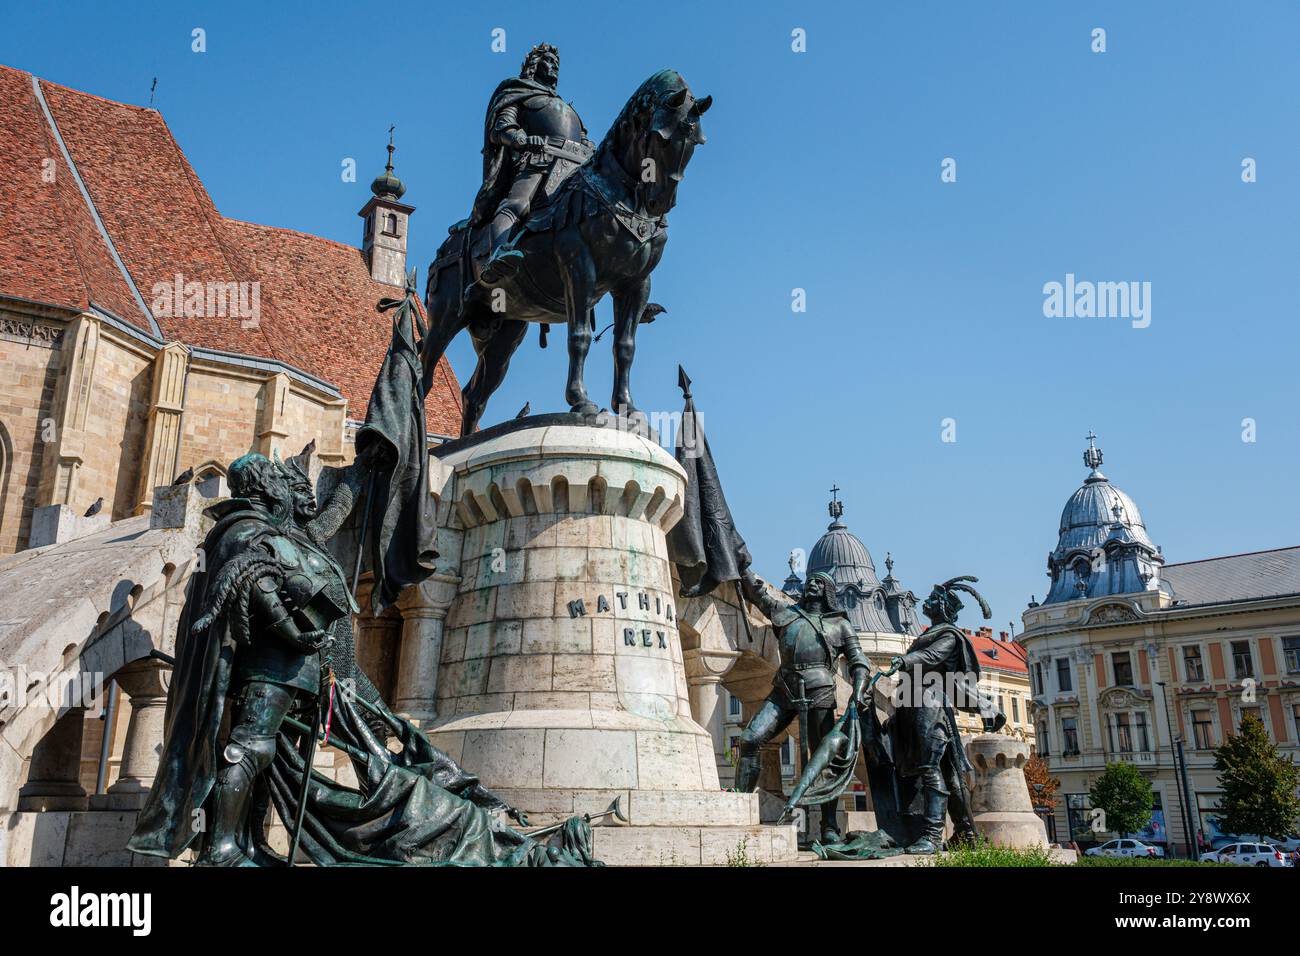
<point>579,299</point>
<point>442,307</point>
<point>495,346</point>
<point>630,301</point>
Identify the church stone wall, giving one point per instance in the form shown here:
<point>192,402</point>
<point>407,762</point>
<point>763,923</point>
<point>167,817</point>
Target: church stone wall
<point>219,424</point>
<point>115,428</point>
<point>30,355</point>
<point>87,411</point>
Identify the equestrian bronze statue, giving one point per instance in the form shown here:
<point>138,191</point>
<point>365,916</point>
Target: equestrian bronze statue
<point>557,225</point>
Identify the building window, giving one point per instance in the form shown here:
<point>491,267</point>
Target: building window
<point>1121,734</point>
<point>1078,818</point>
<point>860,802</point>
<point>1002,704</point>
<point>1064,679</point>
<point>1242,665</point>
<point>1122,661</point>
<point>1203,729</point>
<point>1295,718</point>
<point>1140,726</point>
<point>1193,666</point>
<point>1291,651</point>
<point>787,753</point>
<point>1015,710</point>
<point>1207,813</point>
<point>1040,686</point>
<point>733,705</point>
<point>1044,744</point>
<point>734,746</point>
<point>390,224</point>
<point>1070,736</point>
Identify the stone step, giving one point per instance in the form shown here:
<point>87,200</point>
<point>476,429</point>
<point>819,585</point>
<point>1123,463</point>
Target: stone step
<point>653,808</point>
<point>696,846</point>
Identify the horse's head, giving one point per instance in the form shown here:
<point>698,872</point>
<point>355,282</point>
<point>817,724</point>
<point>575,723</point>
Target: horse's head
<point>655,135</point>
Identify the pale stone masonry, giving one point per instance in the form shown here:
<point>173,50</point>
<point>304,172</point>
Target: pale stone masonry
<point>561,680</point>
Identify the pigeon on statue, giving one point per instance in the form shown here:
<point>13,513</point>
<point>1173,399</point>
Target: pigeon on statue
<point>185,477</point>
<point>95,509</point>
<point>528,407</point>
<point>308,449</point>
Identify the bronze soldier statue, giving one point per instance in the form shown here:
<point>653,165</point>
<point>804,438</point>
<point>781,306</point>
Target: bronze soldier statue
<point>266,659</point>
<point>813,633</point>
<point>942,674</point>
<point>532,140</point>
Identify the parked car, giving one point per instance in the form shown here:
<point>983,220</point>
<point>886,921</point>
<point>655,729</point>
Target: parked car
<point>1125,847</point>
<point>1290,845</point>
<point>1250,854</point>
<point>1228,839</point>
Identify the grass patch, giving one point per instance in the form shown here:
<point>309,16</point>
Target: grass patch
<point>983,853</point>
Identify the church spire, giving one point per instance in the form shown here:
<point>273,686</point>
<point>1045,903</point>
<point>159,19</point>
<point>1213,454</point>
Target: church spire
<point>386,218</point>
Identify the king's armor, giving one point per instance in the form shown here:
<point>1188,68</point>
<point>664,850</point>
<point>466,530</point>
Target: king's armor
<point>533,140</point>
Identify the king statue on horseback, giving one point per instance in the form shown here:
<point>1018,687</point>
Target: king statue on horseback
<point>558,224</point>
<point>532,140</point>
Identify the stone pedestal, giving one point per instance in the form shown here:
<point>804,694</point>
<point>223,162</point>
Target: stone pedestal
<point>1000,799</point>
<point>561,682</point>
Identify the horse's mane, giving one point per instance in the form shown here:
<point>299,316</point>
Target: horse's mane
<point>647,96</point>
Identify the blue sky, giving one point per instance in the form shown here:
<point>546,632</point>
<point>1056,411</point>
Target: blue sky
<point>822,172</point>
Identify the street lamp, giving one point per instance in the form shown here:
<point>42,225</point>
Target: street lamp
<point>1185,811</point>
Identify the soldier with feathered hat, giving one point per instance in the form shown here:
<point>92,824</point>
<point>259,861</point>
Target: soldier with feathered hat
<point>941,674</point>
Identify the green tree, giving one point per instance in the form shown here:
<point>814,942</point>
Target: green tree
<point>1258,783</point>
<point>1124,796</point>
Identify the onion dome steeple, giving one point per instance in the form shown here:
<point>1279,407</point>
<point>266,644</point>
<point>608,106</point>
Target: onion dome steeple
<point>1103,547</point>
<point>383,244</point>
<point>387,185</point>
<point>846,559</point>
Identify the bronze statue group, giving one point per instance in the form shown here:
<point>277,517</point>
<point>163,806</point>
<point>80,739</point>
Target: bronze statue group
<point>265,664</point>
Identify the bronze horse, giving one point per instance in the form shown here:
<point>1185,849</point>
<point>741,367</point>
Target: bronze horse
<point>603,230</point>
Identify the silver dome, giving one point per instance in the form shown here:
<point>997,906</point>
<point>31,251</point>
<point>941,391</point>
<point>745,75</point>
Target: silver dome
<point>1090,516</point>
<point>846,559</point>
<point>1102,547</point>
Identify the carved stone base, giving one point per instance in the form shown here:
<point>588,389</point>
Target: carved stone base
<point>1000,800</point>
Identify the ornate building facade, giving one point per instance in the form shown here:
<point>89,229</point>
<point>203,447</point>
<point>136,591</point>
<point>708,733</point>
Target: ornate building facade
<point>1137,661</point>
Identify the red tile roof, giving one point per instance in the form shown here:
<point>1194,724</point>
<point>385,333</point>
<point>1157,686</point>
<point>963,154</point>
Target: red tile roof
<point>50,248</point>
<point>317,300</point>
<point>1006,656</point>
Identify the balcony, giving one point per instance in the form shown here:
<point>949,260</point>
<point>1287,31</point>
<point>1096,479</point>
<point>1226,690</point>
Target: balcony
<point>1139,758</point>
